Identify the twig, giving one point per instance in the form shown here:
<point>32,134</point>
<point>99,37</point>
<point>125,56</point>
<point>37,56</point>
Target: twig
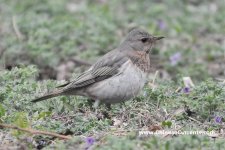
<point>16,29</point>
<point>32,131</point>
<point>2,51</point>
<point>81,62</point>
<point>178,89</point>
<point>195,120</point>
<point>158,103</point>
<point>224,55</point>
<point>156,74</point>
<point>2,63</point>
<point>219,79</point>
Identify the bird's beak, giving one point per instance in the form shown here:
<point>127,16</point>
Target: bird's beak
<point>158,38</point>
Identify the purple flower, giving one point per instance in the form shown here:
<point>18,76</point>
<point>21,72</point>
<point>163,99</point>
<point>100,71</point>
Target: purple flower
<point>218,119</point>
<point>89,141</point>
<point>175,58</point>
<point>186,90</point>
<point>161,24</point>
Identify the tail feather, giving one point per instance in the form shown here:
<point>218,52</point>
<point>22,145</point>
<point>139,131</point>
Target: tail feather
<point>47,96</point>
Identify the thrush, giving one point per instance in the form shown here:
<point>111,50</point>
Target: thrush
<point>117,76</point>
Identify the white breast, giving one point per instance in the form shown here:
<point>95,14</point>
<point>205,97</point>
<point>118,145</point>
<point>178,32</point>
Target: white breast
<point>123,86</point>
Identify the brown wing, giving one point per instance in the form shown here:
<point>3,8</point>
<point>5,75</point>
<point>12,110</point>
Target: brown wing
<point>104,68</point>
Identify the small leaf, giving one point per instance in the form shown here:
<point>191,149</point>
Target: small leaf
<point>167,123</point>
<point>164,123</point>
<point>167,145</point>
<point>21,120</point>
<point>44,114</point>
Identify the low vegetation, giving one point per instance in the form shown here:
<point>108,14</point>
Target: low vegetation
<point>47,42</point>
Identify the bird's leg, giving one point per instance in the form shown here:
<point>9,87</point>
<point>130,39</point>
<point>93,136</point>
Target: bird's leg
<point>95,106</point>
<point>90,102</point>
<point>108,106</point>
<point>123,106</point>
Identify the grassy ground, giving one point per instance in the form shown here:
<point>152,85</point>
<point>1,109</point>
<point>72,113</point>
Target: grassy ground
<point>44,42</point>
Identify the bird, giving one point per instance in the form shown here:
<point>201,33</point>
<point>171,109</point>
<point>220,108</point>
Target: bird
<point>117,76</point>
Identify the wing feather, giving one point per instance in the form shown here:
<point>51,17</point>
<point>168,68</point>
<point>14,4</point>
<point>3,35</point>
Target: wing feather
<point>106,67</point>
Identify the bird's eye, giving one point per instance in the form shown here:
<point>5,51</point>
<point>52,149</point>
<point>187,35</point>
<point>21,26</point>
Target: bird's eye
<point>144,40</point>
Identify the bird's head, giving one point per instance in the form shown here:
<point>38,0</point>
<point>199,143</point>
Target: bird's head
<point>141,40</point>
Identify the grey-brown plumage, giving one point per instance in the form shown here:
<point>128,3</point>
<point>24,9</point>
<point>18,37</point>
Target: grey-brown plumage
<point>117,76</point>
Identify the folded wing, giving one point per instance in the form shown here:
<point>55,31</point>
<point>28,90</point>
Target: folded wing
<point>106,67</point>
